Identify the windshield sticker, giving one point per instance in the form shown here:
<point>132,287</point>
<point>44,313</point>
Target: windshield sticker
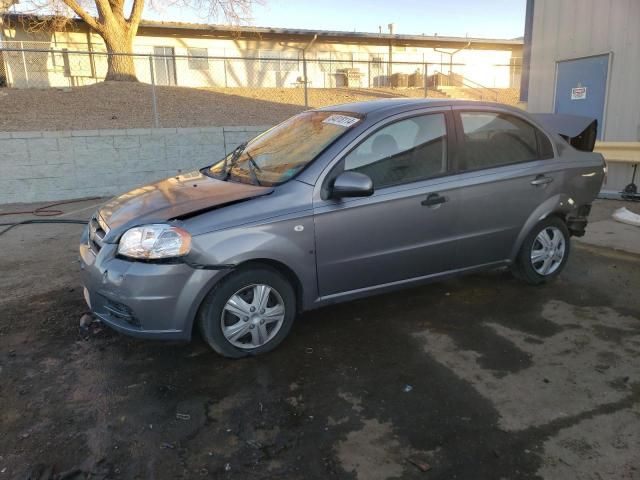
<point>341,120</point>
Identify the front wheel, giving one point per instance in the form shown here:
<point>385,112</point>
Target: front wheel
<point>544,252</point>
<point>250,312</point>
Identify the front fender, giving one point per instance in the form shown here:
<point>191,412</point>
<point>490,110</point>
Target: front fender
<point>560,204</point>
<point>290,242</point>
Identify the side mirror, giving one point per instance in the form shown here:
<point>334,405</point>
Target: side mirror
<point>352,184</point>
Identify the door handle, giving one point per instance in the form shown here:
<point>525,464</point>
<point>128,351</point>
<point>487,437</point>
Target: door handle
<point>433,199</point>
<point>541,180</point>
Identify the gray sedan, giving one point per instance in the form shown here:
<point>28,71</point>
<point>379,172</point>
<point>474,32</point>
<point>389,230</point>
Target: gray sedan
<point>335,204</point>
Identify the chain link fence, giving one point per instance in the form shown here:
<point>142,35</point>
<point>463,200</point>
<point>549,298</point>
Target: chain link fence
<point>286,76</point>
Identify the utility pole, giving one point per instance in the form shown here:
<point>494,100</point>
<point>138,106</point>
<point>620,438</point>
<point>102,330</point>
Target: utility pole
<point>390,64</point>
<point>451,54</point>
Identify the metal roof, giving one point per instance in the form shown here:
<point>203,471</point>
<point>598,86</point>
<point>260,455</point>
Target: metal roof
<point>213,30</point>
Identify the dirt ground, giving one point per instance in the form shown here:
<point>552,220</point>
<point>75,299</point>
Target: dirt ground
<point>479,377</point>
<point>129,105</point>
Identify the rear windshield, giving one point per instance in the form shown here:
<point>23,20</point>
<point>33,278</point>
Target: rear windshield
<point>282,151</point>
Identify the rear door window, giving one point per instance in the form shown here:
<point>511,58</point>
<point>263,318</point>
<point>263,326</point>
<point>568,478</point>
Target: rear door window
<point>405,151</point>
<point>493,139</point>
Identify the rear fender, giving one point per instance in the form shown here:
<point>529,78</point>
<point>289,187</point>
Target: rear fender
<point>560,204</point>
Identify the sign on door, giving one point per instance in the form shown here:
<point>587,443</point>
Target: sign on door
<point>578,93</point>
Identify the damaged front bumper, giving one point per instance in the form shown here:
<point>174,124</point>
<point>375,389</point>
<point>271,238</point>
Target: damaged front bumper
<point>140,299</point>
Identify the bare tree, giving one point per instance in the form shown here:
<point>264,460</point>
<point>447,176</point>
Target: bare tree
<point>118,27</point>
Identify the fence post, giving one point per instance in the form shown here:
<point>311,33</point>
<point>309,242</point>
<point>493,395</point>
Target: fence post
<point>369,74</point>
<point>304,68</point>
<point>24,64</point>
<point>304,77</point>
<point>156,122</point>
<point>387,82</point>
<point>426,84</point>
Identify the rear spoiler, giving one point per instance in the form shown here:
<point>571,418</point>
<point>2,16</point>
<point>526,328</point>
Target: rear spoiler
<point>580,132</point>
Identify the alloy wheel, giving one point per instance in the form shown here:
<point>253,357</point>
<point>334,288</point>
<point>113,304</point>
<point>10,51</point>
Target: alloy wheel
<point>548,250</point>
<point>252,316</point>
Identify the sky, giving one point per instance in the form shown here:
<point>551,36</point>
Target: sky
<point>460,18</point>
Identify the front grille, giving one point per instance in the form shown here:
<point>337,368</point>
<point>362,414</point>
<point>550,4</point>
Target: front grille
<point>97,231</point>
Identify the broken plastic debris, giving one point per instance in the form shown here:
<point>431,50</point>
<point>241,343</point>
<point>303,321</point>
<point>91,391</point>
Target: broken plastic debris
<point>85,321</point>
<point>227,467</point>
<point>419,463</point>
<point>183,416</point>
<point>623,215</point>
<point>407,388</point>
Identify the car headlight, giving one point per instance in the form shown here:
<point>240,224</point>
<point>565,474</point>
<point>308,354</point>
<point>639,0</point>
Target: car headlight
<point>155,241</point>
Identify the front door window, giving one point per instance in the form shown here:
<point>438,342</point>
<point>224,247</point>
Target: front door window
<point>406,151</point>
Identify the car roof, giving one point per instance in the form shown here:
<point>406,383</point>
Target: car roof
<point>374,111</point>
<point>398,105</point>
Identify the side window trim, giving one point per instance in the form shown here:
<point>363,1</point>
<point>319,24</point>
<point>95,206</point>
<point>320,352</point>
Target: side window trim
<point>460,139</point>
<point>540,137</point>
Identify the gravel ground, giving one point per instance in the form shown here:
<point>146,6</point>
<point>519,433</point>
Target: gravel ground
<point>479,377</point>
<point>128,105</point>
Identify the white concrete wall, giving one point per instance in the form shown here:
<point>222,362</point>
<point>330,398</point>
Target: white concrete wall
<point>42,166</point>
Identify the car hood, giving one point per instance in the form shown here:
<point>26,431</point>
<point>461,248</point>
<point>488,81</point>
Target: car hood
<point>175,197</point>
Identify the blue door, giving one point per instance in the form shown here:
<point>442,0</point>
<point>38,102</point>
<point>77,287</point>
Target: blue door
<point>581,87</point>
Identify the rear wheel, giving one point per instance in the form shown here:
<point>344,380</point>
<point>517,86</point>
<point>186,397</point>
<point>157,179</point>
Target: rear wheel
<point>544,252</point>
<point>248,313</point>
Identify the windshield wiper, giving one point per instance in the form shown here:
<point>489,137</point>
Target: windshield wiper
<point>253,166</point>
<point>234,159</point>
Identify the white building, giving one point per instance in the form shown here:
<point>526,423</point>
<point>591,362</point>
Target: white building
<point>259,57</point>
<point>585,60</point>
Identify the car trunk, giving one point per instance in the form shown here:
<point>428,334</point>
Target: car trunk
<point>579,132</point>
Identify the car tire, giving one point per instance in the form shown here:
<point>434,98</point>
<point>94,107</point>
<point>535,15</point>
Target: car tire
<point>537,262</point>
<point>232,321</point>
